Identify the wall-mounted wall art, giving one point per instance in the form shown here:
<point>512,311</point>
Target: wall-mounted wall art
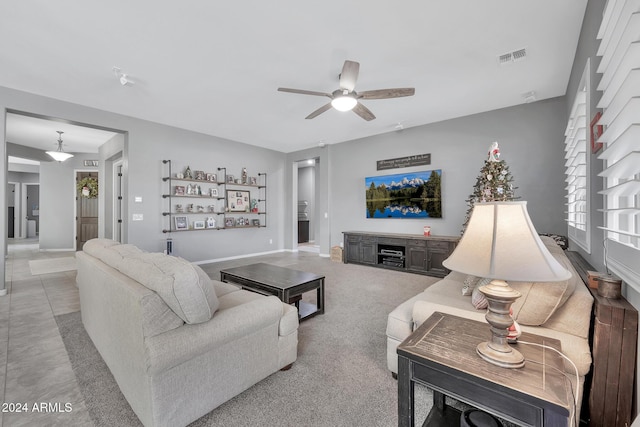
<point>405,195</point>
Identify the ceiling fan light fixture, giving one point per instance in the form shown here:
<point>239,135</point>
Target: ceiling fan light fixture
<point>59,155</point>
<point>344,102</point>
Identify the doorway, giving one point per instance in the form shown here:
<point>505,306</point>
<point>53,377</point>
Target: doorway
<point>307,205</point>
<point>86,207</point>
<point>31,210</point>
<point>12,203</point>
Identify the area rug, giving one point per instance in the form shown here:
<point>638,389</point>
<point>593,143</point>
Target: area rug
<point>339,379</point>
<point>52,265</point>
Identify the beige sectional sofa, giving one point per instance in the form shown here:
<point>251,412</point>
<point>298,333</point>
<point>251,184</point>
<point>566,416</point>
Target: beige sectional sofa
<point>178,343</point>
<point>560,310</point>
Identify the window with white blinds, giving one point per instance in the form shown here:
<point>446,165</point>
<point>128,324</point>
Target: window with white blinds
<point>620,85</point>
<point>577,167</point>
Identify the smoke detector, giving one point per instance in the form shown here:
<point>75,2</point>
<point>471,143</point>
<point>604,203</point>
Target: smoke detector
<point>514,56</point>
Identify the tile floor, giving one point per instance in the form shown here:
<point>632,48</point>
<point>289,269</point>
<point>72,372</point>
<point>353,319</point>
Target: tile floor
<point>34,366</point>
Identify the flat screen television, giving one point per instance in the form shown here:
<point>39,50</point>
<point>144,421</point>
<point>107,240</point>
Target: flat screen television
<point>405,195</point>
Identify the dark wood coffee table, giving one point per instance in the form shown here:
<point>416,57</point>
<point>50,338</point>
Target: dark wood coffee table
<point>441,354</point>
<point>285,283</point>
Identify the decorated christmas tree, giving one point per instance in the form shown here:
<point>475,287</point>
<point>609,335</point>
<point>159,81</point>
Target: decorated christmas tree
<point>493,183</point>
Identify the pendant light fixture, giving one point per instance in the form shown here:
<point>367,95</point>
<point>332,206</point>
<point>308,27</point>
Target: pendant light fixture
<point>59,155</point>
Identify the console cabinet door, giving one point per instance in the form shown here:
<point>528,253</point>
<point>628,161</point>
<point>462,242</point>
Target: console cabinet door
<point>417,256</point>
<point>368,252</point>
<point>437,252</point>
<point>352,249</point>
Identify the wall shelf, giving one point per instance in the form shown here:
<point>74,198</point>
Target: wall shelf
<point>216,192</point>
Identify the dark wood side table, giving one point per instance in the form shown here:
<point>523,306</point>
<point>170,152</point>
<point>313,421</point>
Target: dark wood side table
<point>285,283</point>
<point>441,354</point>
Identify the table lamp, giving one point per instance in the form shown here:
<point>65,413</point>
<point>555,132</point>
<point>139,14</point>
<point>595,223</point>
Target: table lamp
<point>500,243</point>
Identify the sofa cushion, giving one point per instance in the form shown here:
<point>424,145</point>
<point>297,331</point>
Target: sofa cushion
<point>185,287</point>
<point>478,300</point>
<point>540,300</point>
<point>469,284</point>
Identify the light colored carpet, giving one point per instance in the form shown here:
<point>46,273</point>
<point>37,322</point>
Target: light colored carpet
<point>339,379</point>
<point>52,265</point>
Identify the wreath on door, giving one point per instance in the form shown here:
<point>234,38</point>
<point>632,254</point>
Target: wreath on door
<point>88,187</point>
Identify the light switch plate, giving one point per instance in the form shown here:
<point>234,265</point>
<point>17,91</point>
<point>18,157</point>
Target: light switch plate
<point>138,217</point>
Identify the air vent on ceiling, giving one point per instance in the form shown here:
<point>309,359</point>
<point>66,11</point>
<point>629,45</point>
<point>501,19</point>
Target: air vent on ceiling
<point>509,57</point>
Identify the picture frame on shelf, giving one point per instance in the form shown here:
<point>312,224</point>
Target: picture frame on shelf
<point>230,179</point>
<point>255,222</point>
<point>211,222</point>
<point>253,180</point>
<point>181,223</point>
<point>211,177</point>
<point>238,200</point>
<point>229,222</point>
<point>198,225</point>
<point>179,190</point>
<point>213,192</point>
<point>199,175</point>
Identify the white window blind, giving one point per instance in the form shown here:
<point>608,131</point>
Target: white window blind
<point>620,85</point>
<point>577,168</point>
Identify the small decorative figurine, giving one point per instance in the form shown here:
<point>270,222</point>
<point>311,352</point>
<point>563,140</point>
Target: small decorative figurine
<point>187,173</point>
<point>254,205</point>
<point>244,175</point>
<point>494,152</point>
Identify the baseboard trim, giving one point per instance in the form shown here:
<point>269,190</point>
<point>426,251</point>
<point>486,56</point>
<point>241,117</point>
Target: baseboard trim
<point>209,261</point>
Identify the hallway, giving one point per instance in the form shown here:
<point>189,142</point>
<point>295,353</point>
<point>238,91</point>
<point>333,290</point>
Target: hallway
<point>34,366</point>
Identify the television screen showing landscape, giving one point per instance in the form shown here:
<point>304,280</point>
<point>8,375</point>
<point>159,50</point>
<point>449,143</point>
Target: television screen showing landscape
<point>404,195</point>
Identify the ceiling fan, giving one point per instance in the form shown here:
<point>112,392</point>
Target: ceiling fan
<point>346,98</point>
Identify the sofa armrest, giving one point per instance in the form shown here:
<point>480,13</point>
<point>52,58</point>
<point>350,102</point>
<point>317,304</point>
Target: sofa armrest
<point>176,346</point>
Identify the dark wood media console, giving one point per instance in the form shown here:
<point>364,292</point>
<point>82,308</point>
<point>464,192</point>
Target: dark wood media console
<point>405,252</point>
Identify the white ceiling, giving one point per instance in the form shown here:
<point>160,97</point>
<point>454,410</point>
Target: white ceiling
<point>214,67</point>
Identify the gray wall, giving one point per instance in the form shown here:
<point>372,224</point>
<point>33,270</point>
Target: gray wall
<point>57,202</point>
<point>531,142</point>
<point>147,144</point>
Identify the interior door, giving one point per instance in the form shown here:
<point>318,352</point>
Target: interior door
<point>87,213</point>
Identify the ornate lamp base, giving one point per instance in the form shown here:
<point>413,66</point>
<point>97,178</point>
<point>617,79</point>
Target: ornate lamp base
<point>499,296</point>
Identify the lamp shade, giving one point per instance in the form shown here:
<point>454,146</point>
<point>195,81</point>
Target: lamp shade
<point>59,156</point>
<point>500,242</point>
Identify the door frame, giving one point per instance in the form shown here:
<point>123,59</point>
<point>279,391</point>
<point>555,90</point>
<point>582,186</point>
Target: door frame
<point>75,202</point>
<point>117,191</point>
<point>24,207</point>
<point>17,229</point>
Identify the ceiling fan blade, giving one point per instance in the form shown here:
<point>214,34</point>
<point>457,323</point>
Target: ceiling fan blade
<point>349,75</point>
<point>303,92</point>
<point>319,111</point>
<point>363,112</point>
<point>387,93</point>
